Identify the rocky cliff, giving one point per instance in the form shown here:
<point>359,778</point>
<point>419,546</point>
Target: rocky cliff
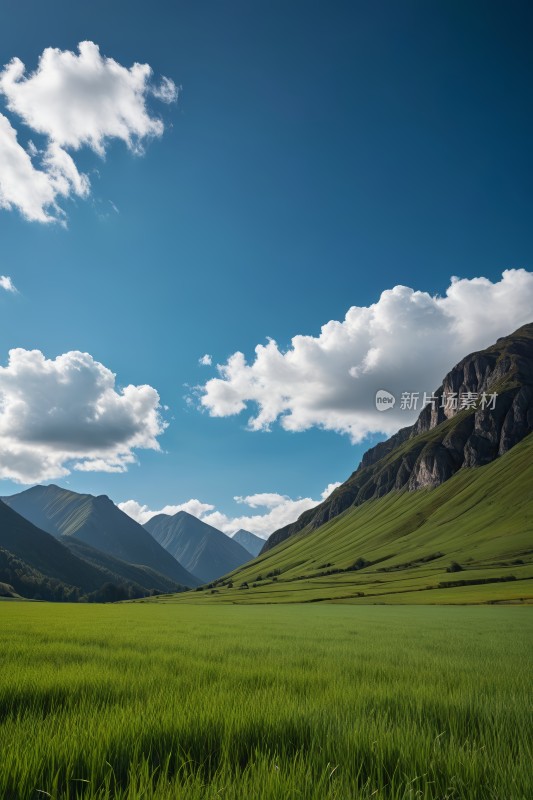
<point>445,437</point>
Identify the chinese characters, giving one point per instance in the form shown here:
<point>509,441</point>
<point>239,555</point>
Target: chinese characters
<point>450,401</point>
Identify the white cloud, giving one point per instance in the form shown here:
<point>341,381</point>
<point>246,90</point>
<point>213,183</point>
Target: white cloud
<point>407,341</point>
<point>281,510</point>
<point>73,100</point>
<point>7,284</point>
<point>167,91</point>
<point>262,500</point>
<point>194,507</point>
<point>206,360</point>
<point>63,172</point>
<point>85,99</point>
<point>142,514</point>
<point>35,191</point>
<point>329,489</point>
<point>67,413</point>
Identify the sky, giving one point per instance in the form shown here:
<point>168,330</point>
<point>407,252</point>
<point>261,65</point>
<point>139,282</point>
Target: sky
<point>209,264</point>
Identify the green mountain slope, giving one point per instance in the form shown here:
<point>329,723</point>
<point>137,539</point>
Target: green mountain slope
<point>203,550</point>
<point>399,548</point>
<point>117,571</point>
<point>100,524</point>
<point>38,564</point>
<point>25,550</point>
<point>443,439</point>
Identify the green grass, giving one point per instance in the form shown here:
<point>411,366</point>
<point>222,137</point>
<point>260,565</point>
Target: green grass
<point>313,702</point>
<point>482,518</point>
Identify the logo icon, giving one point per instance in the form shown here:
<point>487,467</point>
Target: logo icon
<point>384,400</point>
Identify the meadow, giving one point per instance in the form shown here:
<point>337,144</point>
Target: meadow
<point>315,702</point>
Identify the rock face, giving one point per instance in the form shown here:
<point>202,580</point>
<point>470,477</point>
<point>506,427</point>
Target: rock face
<point>444,438</point>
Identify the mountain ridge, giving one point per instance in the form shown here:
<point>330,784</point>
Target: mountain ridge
<point>117,571</point>
<point>468,540</point>
<point>43,552</point>
<point>96,521</point>
<point>204,550</point>
<point>442,440</point>
<point>65,568</point>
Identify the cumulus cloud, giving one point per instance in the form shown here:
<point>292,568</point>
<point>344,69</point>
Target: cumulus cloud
<point>67,413</point>
<point>73,100</point>
<point>85,98</point>
<point>405,342</point>
<point>279,510</point>
<point>206,360</point>
<point>7,284</point>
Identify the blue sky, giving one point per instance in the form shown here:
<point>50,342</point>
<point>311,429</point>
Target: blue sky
<point>319,154</point>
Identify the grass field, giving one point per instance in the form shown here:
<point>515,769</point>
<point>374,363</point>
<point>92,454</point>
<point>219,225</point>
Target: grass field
<point>313,702</point>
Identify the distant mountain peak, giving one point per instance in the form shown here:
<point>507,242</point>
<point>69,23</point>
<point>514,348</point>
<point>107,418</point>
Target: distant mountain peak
<point>97,522</point>
<point>250,541</point>
<point>202,549</point>
<point>43,565</point>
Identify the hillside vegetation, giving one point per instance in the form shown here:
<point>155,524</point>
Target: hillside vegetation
<point>469,540</point>
<point>444,439</point>
<point>36,565</point>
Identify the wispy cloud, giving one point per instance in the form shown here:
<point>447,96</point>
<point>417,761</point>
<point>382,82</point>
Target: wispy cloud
<point>7,284</point>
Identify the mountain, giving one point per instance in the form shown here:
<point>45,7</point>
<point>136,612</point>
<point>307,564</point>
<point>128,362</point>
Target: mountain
<point>97,522</point>
<point>203,550</point>
<point>442,512</point>
<point>25,550</point>
<point>116,571</point>
<point>469,540</point>
<point>39,564</point>
<point>254,544</point>
<point>442,440</point>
